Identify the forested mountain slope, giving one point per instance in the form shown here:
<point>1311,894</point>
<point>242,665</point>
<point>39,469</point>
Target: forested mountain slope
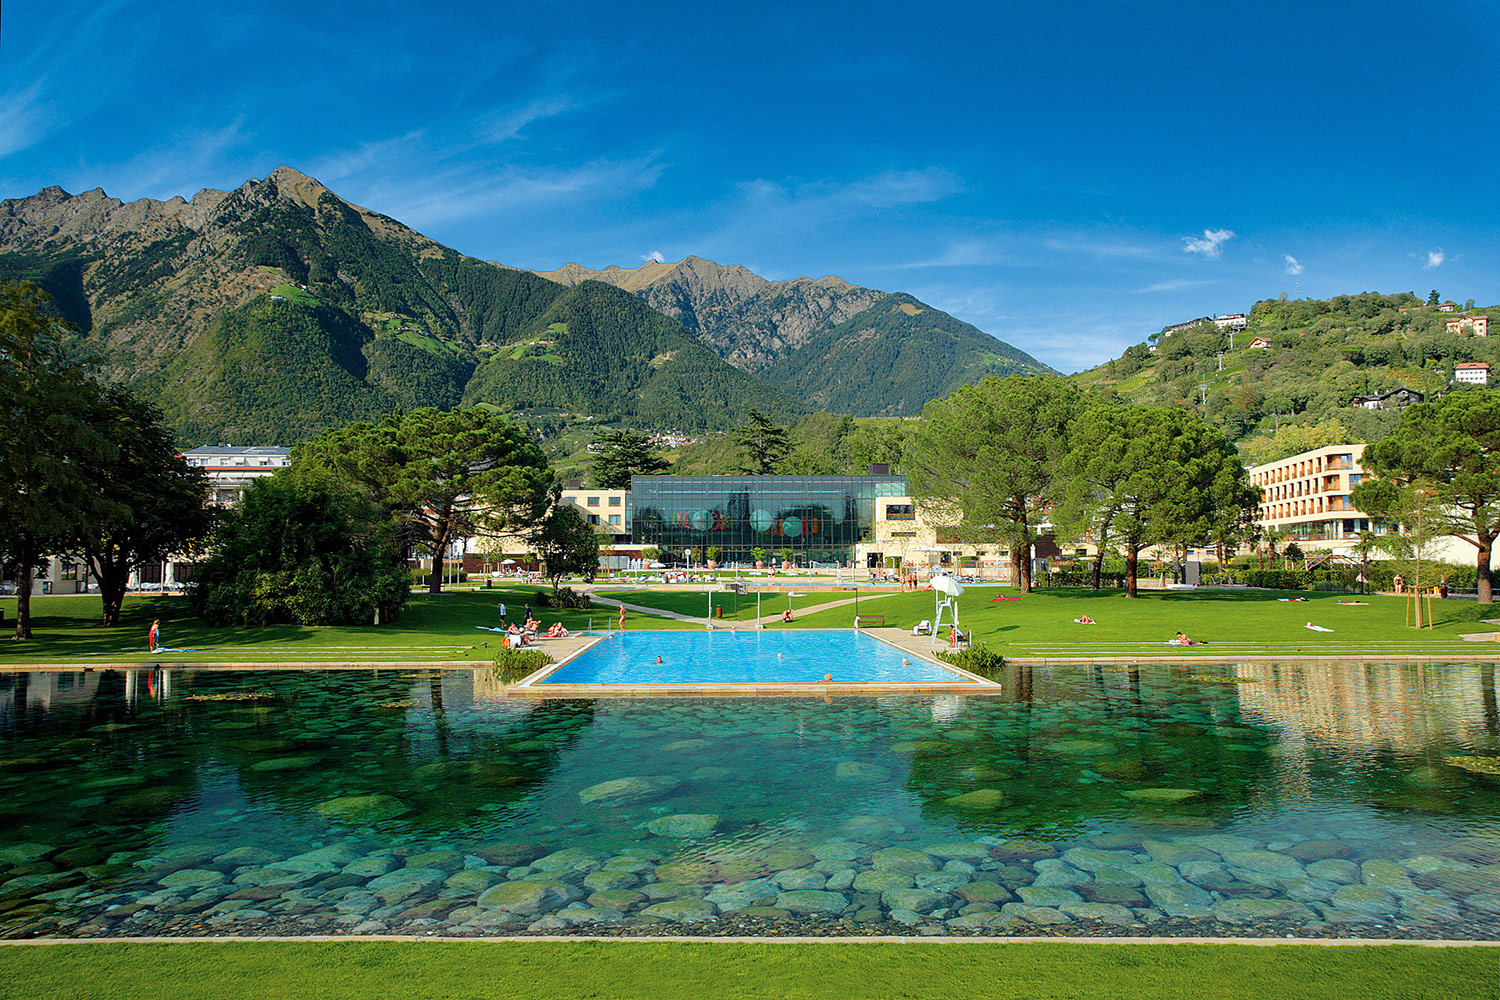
<point>838,346</point>
<point>273,311</point>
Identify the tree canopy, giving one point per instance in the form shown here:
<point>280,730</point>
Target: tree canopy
<point>618,455</point>
<point>440,475</point>
<point>763,444</point>
<point>567,544</point>
<point>1450,449</point>
<point>146,503</point>
<point>1141,476</point>
<point>984,461</point>
<point>301,549</point>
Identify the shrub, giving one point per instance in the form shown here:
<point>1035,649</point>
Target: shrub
<point>512,665</point>
<point>562,597</point>
<point>978,659</point>
<point>1278,579</point>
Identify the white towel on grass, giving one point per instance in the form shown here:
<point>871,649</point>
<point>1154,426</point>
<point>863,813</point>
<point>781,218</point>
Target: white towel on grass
<point>1317,628</point>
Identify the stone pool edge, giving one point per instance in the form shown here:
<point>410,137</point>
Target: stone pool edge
<point>531,686</point>
<point>1255,942</point>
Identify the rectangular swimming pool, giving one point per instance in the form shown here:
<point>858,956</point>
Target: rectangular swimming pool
<point>789,656</point>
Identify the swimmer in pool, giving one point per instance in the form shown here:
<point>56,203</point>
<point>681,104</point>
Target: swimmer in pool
<point>827,679</point>
<point>658,659</point>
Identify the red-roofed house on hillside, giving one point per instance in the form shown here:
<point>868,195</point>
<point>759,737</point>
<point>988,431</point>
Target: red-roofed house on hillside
<point>1472,372</point>
<point>1260,344</point>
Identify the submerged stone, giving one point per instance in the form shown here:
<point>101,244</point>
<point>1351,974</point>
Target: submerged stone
<point>682,911</point>
<point>362,808</point>
<point>629,791</point>
<point>812,901</point>
<point>1163,796</point>
<point>980,800</point>
<point>685,825</point>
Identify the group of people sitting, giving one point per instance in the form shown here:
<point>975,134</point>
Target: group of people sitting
<point>517,636</point>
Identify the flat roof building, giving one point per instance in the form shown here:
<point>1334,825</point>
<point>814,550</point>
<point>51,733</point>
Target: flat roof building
<point>1306,496</point>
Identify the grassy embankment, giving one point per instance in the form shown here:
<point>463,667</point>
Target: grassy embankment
<point>1231,623</point>
<point>565,971</point>
<point>441,627</point>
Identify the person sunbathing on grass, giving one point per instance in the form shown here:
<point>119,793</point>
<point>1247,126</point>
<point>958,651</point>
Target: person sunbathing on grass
<point>558,632</point>
<point>1085,620</point>
<point>1183,640</point>
<point>786,615</point>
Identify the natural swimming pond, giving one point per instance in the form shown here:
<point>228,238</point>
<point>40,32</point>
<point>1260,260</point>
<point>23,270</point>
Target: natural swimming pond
<point>1341,800</point>
<point>746,657</point>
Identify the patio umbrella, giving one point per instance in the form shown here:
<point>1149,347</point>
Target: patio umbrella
<point>507,562</point>
<point>947,585</point>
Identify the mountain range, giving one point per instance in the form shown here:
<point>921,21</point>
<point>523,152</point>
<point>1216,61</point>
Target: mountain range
<point>275,310</point>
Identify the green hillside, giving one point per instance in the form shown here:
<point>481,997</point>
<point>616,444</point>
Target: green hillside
<point>1321,354</point>
<point>893,357</point>
<point>600,351</point>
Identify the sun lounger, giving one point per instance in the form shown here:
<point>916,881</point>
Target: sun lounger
<point>923,627</point>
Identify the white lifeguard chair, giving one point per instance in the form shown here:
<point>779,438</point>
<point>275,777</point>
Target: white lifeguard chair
<point>946,591</point>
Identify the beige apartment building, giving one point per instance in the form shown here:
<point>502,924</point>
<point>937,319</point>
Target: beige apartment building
<point>1306,497</point>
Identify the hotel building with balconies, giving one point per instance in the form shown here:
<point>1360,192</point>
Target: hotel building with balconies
<point>1306,496</point>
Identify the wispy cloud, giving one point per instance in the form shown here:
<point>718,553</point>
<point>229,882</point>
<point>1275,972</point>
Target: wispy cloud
<point>1293,265</point>
<point>1177,285</point>
<point>1095,246</point>
<point>1210,245</point>
<point>655,256</point>
<point>181,167</point>
<point>509,124</point>
<point>1435,258</point>
<point>465,192</point>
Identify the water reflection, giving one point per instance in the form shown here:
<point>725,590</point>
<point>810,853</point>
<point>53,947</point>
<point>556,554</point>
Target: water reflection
<point>206,792</point>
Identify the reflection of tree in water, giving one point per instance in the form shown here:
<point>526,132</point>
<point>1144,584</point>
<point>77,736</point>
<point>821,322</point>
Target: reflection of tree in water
<point>319,735</point>
<point>1062,745</point>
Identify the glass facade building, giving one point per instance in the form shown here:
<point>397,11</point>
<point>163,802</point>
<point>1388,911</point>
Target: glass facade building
<point>820,518</point>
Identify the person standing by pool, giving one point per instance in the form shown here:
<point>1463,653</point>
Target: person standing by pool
<point>622,618</point>
<point>153,636</point>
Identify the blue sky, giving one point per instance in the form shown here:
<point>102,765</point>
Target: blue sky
<point>1067,177</point>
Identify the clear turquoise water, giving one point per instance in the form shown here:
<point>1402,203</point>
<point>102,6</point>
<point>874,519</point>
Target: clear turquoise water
<point>741,657</point>
<point>1329,799</point>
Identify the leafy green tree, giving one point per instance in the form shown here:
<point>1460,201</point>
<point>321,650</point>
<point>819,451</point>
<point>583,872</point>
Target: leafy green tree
<point>52,445</point>
<point>441,475</point>
<point>1432,297</point>
<point>984,460</point>
<point>618,455</point>
<point>763,442</point>
<point>1154,475</point>
<point>567,544</point>
<point>1454,446</point>
<point>301,549</point>
<point>147,503</point>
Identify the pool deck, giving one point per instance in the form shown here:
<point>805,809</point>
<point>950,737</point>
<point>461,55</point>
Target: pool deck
<point>964,682</point>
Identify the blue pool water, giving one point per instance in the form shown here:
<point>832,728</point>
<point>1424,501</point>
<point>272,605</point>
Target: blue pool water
<point>749,657</point>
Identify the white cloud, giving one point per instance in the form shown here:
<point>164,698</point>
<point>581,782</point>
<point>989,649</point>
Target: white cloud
<point>1176,285</point>
<point>509,125</point>
<point>1293,265</point>
<point>655,256</point>
<point>1435,258</point>
<point>1211,245</point>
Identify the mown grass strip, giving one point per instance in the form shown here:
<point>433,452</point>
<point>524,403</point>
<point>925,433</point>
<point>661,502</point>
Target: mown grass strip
<point>657,970</point>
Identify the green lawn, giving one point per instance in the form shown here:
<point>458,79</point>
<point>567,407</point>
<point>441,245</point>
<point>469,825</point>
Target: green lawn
<point>1040,624</point>
<point>695,602</point>
<point>1229,622</point>
<point>438,627</point>
<point>608,970</point>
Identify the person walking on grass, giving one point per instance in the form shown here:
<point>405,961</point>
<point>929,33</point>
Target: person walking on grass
<point>502,612</point>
